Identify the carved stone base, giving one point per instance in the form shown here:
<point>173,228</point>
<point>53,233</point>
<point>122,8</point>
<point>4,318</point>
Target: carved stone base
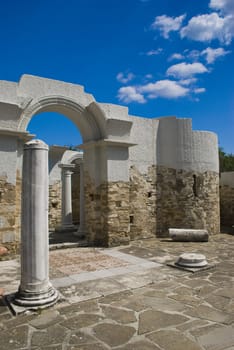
<point>36,299</point>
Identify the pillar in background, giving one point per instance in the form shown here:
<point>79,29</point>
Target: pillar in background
<point>35,289</point>
<point>67,222</point>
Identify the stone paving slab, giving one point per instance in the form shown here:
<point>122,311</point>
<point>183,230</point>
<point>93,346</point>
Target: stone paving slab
<point>133,305</point>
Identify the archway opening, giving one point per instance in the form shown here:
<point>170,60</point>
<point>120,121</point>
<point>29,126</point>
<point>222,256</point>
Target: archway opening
<point>63,138</point>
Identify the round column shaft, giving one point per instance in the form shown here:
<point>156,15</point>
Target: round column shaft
<point>35,288</point>
<point>67,221</point>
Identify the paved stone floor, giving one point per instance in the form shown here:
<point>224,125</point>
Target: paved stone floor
<point>128,298</point>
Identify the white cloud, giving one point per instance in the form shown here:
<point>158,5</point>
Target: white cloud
<point>154,52</point>
<point>125,78</point>
<point>186,70</point>
<point>176,56</point>
<point>199,90</point>
<point>187,82</point>
<point>167,24</point>
<point>194,55</point>
<point>164,88</point>
<point>129,94</point>
<point>212,54</point>
<point>209,27</point>
<point>225,6</point>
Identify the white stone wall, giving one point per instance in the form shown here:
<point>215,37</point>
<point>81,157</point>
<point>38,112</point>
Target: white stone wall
<point>227,179</point>
<point>8,157</point>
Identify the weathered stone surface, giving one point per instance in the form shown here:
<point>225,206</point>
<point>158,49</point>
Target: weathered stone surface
<point>18,338</point>
<point>163,304</point>
<point>55,197</point>
<point>52,335</point>
<point>208,313</point>
<point>107,212</point>
<point>142,209</point>
<point>113,334</point>
<point>93,346</point>
<point>9,210</point>
<point>172,340</point>
<point>218,339</point>
<point>47,319</point>
<point>79,338</point>
<point>81,320</point>
<point>152,320</point>
<point>187,199</point>
<point>119,315</point>
<point>140,345</point>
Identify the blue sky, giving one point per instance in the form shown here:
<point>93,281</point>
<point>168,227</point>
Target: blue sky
<point>158,57</point>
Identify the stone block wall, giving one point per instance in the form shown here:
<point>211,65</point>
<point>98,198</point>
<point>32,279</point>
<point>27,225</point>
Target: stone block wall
<point>227,205</point>
<point>142,209</point>
<point>55,195</point>
<point>107,213</point>
<point>187,199</point>
<point>9,211</point>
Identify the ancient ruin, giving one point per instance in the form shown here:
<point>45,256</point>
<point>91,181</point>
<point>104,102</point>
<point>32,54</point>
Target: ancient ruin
<point>136,177</point>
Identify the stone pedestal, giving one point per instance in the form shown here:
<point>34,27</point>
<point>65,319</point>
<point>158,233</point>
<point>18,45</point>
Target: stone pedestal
<point>35,289</point>
<point>67,222</point>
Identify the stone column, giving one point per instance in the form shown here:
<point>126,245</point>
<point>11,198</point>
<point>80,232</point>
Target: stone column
<point>67,223</point>
<point>81,230</point>
<point>35,289</point>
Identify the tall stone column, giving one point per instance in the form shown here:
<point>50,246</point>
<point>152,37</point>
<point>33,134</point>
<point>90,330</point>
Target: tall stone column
<point>35,289</point>
<point>81,230</point>
<point>67,223</point>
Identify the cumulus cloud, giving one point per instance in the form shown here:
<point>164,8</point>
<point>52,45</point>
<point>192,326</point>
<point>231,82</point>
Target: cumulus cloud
<point>212,54</point>
<point>187,82</point>
<point>186,70</point>
<point>225,6</point>
<point>129,94</point>
<point>166,24</point>
<point>199,90</point>
<point>164,88</point>
<point>176,56</point>
<point>125,78</point>
<point>168,89</point>
<point>208,27</point>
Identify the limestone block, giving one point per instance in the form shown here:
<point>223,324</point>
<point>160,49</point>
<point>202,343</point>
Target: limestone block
<point>188,235</point>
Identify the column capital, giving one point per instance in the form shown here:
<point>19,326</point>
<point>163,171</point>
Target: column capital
<point>66,166</point>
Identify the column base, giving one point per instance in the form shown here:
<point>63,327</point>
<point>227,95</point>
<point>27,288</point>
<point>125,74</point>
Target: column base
<point>66,228</point>
<point>80,233</point>
<point>36,299</point>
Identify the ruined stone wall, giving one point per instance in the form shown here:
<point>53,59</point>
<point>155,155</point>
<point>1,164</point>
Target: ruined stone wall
<point>187,199</point>
<point>55,195</point>
<point>227,205</point>
<point>142,209</point>
<point>8,210</point>
<point>107,213</point>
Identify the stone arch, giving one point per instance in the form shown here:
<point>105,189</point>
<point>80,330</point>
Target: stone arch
<point>91,126</point>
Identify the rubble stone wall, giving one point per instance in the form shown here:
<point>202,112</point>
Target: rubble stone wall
<point>55,195</point>
<point>142,209</point>
<point>107,213</point>
<point>8,210</point>
<point>187,199</point>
